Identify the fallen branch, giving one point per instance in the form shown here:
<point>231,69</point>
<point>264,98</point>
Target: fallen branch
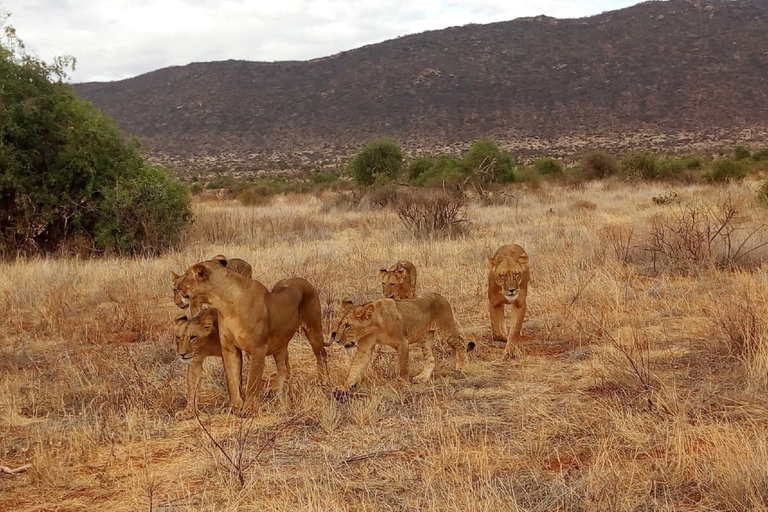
<point>20,469</point>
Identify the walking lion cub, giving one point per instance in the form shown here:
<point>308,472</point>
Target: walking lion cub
<point>399,280</point>
<point>397,324</point>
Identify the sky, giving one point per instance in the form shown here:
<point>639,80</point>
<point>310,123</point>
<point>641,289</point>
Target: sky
<point>116,39</point>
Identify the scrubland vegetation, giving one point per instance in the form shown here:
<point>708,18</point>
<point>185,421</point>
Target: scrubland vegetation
<point>641,386</point>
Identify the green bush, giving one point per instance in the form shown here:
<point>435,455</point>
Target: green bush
<point>548,166</point>
<point>484,162</point>
<point>68,172</point>
<point>143,214</point>
<point>760,155</point>
<point>640,165</point>
<point>196,188</point>
<point>324,178</point>
<point>741,153</point>
<point>727,170</point>
<point>379,161</point>
<point>598,164</point>
<point>445,169</point>
<point>419,167</point>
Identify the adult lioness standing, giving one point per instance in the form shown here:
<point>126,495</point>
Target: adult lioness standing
<point>260,322</point>
<point>508,285</point>
<point>399,280</point>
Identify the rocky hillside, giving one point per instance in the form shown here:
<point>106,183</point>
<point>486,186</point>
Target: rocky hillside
<point>679,73</point>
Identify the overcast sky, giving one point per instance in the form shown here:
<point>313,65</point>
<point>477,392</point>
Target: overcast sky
<point>115,39</point>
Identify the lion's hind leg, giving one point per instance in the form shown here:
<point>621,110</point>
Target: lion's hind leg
<point>427,349</point>
<point>314,334</point>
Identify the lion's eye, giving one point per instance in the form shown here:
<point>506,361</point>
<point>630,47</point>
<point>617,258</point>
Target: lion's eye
<point>192,338</point>
<point>347,326</point>
<point>517,275</point>
<point>177,338</point>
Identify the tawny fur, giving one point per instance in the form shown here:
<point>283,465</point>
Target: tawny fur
<point>197,304</point>
<point>397,324</point>
<point>399,280</point>
<point>508,285</point>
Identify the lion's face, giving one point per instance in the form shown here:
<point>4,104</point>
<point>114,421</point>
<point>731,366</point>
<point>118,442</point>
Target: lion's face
<point>191,334</point>
<point>355,323</point>
<point>180,293</point>
<point>392,283</point>
<point>508,274</point>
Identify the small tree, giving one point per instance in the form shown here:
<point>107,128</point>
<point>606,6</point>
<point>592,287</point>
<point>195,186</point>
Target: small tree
<point>485,162</point>
<point>379,160</point>
<point>598,164</point>
<point>548,165</point>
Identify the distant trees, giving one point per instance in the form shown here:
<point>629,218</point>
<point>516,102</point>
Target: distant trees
<point>68,175</point>
<point>379,160</point>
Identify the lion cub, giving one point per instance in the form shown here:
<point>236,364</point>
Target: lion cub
<point>398,324</point>
<point>399,280</point>
<point>196,339</point>
<point>242,267</point>
<point>508,285</point>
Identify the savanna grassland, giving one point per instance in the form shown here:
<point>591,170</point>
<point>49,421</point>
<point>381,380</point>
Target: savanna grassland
<point>642,383</point>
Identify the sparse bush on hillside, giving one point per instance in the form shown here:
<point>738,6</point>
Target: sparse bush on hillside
<point>433,212</point>
<point>548,166</point>
<point>741,153</point>
<point>445,169</point>
<point>485,162</point>
<point>419,167</point>
<point>598,164</point>
<point>380,160</point>
<point>760,155</point>
<point>640,165</point>
<point>324,178</point>
<point>68,172</point>
<point>727,170</point>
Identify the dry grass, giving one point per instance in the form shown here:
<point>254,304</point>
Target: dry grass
<point>637,390</point>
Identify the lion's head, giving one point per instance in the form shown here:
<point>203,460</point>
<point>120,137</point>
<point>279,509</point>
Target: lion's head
<point>397,281</point>
<point>355,323</point>
<point>180,292</point>
<point>509,273</point>
<point>191,334</point>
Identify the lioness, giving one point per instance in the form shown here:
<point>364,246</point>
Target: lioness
<point>399,280</point>
<point>398,323</point>
<point>196,339</point>
<point>196,305</point>
<point>260,322</point>
<point>508,284</point>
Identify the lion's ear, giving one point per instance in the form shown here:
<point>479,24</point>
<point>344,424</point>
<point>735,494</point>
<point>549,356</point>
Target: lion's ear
<point>201,273</point>
<point>365,313</point>
<point>347,303</point>
<point>522,259</point>
<point>220,259</point>
<point>180,319</point>
<point>383,271</point>
<point>491,262</point>
<point>208,321</point>
<point>174,276</point>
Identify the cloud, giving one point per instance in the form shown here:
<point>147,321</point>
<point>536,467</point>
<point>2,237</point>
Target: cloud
<point>115,39</point>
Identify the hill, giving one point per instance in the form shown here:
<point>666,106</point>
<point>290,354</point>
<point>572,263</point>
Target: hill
<point>675,74</point>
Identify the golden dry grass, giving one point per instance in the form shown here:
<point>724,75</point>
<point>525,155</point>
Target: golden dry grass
<point>638,390</point>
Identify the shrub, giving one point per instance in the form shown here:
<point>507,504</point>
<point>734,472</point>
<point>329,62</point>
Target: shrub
<point>445,169</point>
<point>433,212</point>
<point>379,160</point>
<point>484,162</point>
<point>145,214</point>
<point>762,193</point>
<point>548,165</point>
<point>760,155</point>
<point>741,153</point>
<point>324,178</point>
<point>419,166</point>
<point>727,170</point>
<point>68,172</point>
<point>196,188</point>
<point>640,165</point>
<point>598,164</point>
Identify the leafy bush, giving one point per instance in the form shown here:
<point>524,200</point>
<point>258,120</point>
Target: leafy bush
<point>68,171</point>
<point>760,155</point>
<point>548,165</point>
<point>379,160</point>
<point>741,153</point>
<point>598,164</point>
<point>445,169</point>
<point>727,170</point>
<point>485,163</point>
<point>324,178</point>
<point>419,166</point>
<point>640,165</point>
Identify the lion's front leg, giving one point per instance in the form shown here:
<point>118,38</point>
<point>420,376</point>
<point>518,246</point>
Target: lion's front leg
<point>496,312</point>
<point>255,374</point>
<point>429,358</point>
<point>402,359</point>
<point>362,359</point>
<point>511,349</point>
<point>194,372</point>
<point>233,366</point>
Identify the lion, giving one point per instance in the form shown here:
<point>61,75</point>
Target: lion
<point>257,321</point>
<point>236,264</point>
<point>508,285</point>
<point>196,338</point>
<point>397,324</point>
<point>399,280</point>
